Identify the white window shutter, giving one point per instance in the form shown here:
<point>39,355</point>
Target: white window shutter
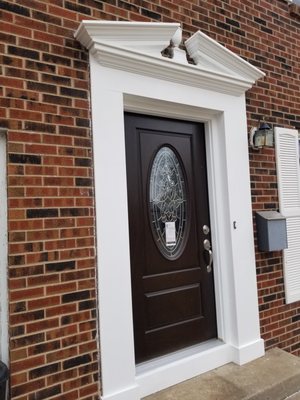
<point>288,176</point>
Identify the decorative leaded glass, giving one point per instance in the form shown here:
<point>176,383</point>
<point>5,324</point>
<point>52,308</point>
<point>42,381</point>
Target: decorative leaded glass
<point>168,203</point>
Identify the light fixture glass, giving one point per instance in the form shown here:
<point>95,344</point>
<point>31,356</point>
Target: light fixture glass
<point>262,136</point>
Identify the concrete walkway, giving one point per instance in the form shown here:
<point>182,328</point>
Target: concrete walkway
<point>276,376</point>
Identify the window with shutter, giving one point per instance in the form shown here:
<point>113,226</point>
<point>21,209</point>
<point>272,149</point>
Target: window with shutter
<point>288,175</point>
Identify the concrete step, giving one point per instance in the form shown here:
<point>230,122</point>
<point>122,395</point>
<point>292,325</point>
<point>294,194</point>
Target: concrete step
<point>295,396</point>
<point>276,376</point>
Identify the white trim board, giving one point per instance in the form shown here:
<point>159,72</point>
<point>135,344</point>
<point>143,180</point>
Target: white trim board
<point>3,252</point>
<point>116,87</point>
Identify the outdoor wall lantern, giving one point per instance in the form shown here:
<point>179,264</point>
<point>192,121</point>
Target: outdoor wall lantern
<point>262,136</point>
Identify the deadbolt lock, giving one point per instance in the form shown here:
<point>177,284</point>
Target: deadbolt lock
<point>206,229</point>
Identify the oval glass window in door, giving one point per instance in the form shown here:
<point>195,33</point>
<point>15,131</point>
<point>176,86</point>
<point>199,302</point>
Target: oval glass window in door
<point>168,203</point>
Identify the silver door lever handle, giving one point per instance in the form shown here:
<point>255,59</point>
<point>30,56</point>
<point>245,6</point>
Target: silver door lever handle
<point>207,247</point>
<point>208,267</point>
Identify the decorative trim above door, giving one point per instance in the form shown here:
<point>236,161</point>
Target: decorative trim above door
<point>128,73</point>
<point>136,47</point>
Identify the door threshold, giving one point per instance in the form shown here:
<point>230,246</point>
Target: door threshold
<point>176,356</point>
<point>166,371</point>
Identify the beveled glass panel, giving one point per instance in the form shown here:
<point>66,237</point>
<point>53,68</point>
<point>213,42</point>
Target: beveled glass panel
<point>168,203</point>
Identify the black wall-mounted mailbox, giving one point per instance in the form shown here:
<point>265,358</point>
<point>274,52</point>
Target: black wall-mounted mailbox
<point>271,231</point>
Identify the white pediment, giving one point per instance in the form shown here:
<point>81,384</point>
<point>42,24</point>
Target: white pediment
<point>142,37</point>
<point>208,54</point>
<point>136,47</point>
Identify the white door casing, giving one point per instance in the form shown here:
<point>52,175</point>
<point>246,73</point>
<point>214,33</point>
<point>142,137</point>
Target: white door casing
<point>128,73</point>
<point>3,252</point>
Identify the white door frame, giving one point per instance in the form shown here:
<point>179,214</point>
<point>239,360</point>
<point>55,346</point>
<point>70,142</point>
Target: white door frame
<point>128,74</point>
<point>4,348</point>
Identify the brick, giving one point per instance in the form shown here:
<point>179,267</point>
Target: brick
<point>58,119</point>
<point>46,370</point>
<point>30,105</point>
<point>39,127</point>
<point>59,202</point>
<point>26,294</point>
<point>66,298</point>
<point>17,330</point>
<point>87,305</point>
<point>16,192</point>
<point>41,87</point>
<point>43,302</point>
<point>62,354</point>
<point>66,91</point>
<point>59,80</point>
<point>77,232</point>
<point>17,202</point>
<point>43,280</point>
<point>60,266</point>
<point>39,66</point>
<point>76,7</point>
<point>15,148</point>
<point>57,100</point>
<point>60,310</point>
<point>88,368</point>
<point>78,382</point>
<point>72,212</point>
<point>33,44</point>
<point>23,52</point>
<point>28,363</point>
<point>12,82</point>
<point>55,59</point>
<point>27,387</point>
<point>51,19</point>
<point>16,236</point>
<point>59,223</point>
<point>4,37</point>
<point>15,29</point>
<point>68,331</point>
<point>84,182</point>
<point>46,37</point>
<point>14,103</point>
<point>26,317</point>
<point>4,5</point>
<point>69,276</point>
<point>88,389</point>
<point>46,393</point>
<point>84,359</point>
<point>21,94</point>
<point>63,12</point>
<point>24,158</point>
<point>22,114</point>
<point>42,325</point>
<point>61,288</point>
<point>43,347</point>
<point>60,31</point>
<point>18,379</point>
<point>76,317</point>
<point>62,376</point>
<point>16,214</point>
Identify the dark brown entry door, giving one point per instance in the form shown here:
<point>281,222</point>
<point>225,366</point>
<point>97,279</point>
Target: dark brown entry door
<point>172,279</point>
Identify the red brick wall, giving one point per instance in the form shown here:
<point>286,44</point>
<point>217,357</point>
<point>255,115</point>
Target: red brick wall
<point>44,104</point>
<point>52,287</point>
